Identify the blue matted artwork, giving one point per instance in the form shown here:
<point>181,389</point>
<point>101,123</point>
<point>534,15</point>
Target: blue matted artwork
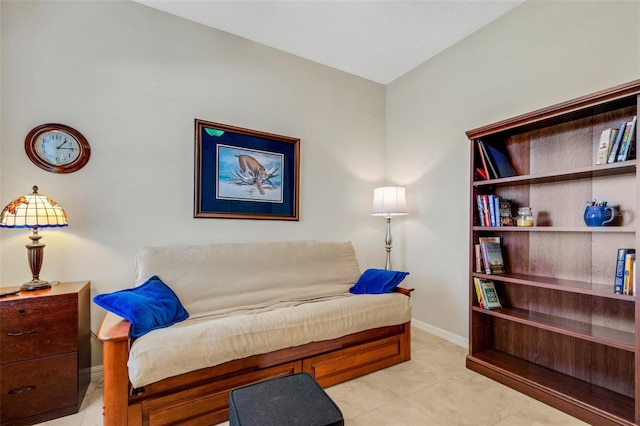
<point>245,174</point>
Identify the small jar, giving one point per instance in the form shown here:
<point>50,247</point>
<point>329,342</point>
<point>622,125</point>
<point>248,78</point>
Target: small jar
<point>525,217</point>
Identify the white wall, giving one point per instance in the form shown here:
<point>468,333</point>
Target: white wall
<point>538,54</point>
<point>132,79</point>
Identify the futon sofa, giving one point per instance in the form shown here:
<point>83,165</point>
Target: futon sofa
<point>255,311</point>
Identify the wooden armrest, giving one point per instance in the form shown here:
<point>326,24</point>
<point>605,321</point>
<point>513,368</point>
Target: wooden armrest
<point>114,328</point>
<point>405,291</point>
<point>114,335</point>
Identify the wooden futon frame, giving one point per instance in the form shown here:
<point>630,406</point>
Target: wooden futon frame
<point>201,397</point>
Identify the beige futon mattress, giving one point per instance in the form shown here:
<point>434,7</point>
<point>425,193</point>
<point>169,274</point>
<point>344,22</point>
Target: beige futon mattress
<point>204,342</point>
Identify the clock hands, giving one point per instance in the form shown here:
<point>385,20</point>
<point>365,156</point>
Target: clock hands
<point>65,147</point>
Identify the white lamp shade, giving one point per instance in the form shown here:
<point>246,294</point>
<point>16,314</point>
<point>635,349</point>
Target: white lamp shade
<point>33,211</point>
<point>389,201</point>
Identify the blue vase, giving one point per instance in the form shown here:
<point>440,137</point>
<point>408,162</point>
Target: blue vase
<point>599,215</point>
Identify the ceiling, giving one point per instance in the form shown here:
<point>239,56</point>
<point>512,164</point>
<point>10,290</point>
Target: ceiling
<point>373,39</point>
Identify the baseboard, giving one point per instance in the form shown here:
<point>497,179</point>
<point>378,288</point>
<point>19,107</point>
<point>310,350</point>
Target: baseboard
<point>444,334</point>
<point>96,373</point>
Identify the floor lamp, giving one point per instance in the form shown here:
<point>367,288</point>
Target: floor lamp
<point>389,201</point>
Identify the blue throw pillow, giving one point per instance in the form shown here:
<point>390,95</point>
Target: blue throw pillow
<point>377,281</point>
<point>149,306</point>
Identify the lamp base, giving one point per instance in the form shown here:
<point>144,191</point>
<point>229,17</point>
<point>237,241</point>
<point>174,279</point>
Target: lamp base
<point>35,285</point>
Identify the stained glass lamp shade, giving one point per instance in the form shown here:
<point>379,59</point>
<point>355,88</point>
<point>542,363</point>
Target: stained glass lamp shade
<point>34,211</point>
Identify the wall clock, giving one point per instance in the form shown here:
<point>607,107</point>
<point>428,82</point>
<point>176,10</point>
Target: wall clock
<point>57,148</point>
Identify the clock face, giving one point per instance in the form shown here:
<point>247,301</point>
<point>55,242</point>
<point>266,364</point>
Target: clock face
<point>57,148</point>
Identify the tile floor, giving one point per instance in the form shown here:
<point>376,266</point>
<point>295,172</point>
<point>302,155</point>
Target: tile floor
<point>434,388</point>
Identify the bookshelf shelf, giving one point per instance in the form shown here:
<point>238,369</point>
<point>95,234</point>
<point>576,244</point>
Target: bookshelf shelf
<point>597,229</point>
<point>625,167</point>
<point>601,405</point>
<point>553,283</point>
<point>581,330</point>
<point>562,335</point>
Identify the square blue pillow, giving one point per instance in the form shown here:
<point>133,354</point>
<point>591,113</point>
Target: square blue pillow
<point>149,306</point>
<point>378,281</point>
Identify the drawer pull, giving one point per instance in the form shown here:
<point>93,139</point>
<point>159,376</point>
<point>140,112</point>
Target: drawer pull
<point>20,333</point>
<point>22,390</point>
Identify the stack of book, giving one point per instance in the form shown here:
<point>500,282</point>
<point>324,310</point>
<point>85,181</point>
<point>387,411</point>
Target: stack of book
<point>493,210</point>
<point>489,259</point>
<point>625,279</point>
<point>618,144</point>
<point>486,294</point>
<point>494,161</point>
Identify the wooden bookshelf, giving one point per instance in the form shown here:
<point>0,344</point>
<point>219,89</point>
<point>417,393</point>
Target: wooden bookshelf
<point>562,336</point>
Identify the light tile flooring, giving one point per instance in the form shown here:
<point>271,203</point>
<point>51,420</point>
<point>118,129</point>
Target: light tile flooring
<point>434,388</point>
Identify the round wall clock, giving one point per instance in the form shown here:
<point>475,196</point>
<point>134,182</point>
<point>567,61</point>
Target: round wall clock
<point>57,148</point>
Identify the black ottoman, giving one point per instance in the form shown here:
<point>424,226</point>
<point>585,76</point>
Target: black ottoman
<point>290,400</point>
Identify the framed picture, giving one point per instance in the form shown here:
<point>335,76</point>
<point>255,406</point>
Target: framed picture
<point>245,174</point>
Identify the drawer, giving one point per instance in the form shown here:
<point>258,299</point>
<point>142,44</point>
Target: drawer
<point>35,387</point>
<point>31,330</point>
<point>346,364</point>
<point>209,403</point>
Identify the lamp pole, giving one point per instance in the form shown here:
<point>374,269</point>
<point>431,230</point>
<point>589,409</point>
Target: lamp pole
<point>387,241</point>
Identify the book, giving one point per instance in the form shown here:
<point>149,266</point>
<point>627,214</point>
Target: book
<point>476,284</point>
<point>492,258</point>
<point>486,240</point>
<point>630,142</point>
<point>631,155</point>
<point>489,240</point>
<point>613,153</point>
<point>489,294</point>
<point>625,143</point>
<point>633,271</point>
<point>622,151</point>
<point>480,207</point>
<point>492,168</point>
<point>481,173</point>
<point>492,209</point>
<point>618,282</point>
<point>483,160</point>
<point>485,207</point>
<point>628,273</point>
<point>496,201</point>
<point>501,161</point>
<point>506,218</point>
<point>606,142</point>
<point>479,267</point>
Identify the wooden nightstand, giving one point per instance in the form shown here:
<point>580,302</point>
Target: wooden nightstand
<point>45,353</point>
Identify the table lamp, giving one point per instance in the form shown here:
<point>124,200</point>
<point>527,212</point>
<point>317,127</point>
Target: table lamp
<point>389,201</point>
<point>34,211</point>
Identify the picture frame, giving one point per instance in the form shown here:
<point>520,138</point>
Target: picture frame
<point>245,174</point>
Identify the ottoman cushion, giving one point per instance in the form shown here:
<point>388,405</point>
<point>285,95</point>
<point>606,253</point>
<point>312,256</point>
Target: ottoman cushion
<point>292,400</point>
